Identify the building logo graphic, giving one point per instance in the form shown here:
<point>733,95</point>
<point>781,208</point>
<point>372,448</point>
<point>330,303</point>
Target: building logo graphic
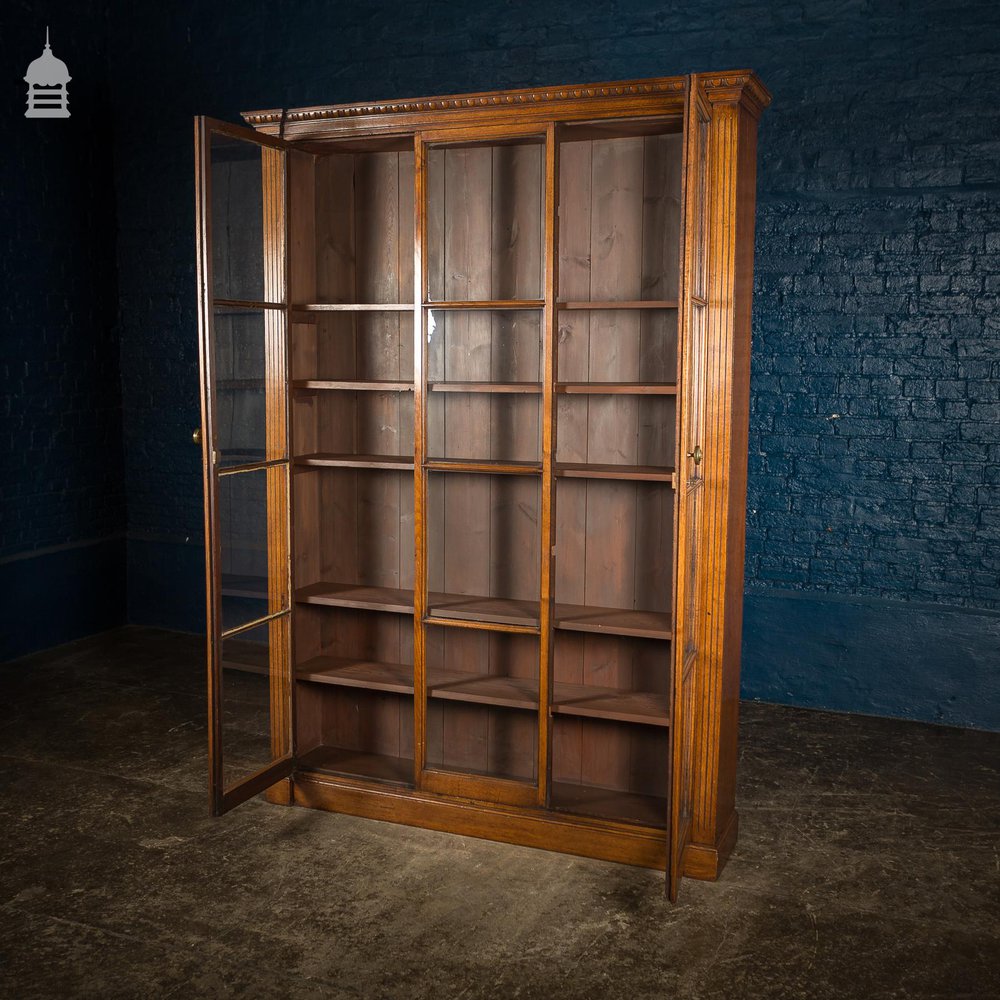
<point>47,78</point>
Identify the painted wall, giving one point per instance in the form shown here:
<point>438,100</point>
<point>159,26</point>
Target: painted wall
<point>62,495</point>
<point>873,571</point>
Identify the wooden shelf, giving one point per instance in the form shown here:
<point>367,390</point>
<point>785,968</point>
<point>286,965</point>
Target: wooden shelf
<point>613,621</point>
<point>351,385</point>
<point>607,304</point>
<point>588,701</point>
<point>527,388</point>
<point>397,463</point>
<point>478,689</point>
<point>352,307</point>
<point>350,595</point>
<point>458,606</point>
<point>368,674</point>
<point>641,473</point>
<point>498,610</point>
<point>486,467</point>
<point>254,587</point>
<point>617,388</point>
<point>644,708</point>
<point>606,803</point>
<point>488,304</point>
<point>358,764</point>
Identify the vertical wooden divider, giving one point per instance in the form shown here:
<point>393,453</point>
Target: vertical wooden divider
<point>547,547</point>
<point>275,212</point>
<point>419,449</point>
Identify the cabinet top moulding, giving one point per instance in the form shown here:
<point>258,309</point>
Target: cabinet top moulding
<point>621,98</point>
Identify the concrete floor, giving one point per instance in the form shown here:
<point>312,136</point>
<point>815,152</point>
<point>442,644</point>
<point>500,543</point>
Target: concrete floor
<point>868,866</point>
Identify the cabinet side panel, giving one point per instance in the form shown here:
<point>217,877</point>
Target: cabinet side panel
<point>730,247</point>
<point>739,444</point>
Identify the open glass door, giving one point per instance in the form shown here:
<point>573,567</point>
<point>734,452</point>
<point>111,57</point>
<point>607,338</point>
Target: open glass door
<point>690,480</point>
<point>243,323</point>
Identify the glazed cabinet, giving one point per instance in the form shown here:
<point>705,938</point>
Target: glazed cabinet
<point>474,420</point>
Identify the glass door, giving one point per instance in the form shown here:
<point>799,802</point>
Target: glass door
<point>691,481</point>
<point>481,381</point>
<point>243,322</point>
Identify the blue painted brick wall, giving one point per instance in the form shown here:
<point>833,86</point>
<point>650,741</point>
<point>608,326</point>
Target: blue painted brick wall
<point>62,495</point>
<point>876,419</point>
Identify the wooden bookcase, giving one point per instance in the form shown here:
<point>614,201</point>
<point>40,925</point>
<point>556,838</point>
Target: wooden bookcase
<point>474,399</point>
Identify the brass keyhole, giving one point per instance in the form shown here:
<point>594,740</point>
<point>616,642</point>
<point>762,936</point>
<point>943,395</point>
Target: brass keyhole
<point>696,455</point>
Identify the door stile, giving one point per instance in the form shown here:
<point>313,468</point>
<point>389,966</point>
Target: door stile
<point>212,574</point>
<point>550,321</point>
<point>690,495</point>
<point>275,465</point>
<point>419,453</point>
<point>278,424</point>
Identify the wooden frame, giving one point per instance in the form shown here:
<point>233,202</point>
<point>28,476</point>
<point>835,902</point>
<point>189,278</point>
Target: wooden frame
<point>652,372</point>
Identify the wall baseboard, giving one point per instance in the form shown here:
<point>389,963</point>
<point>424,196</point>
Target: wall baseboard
<point>61,594</point>
<point>931,663</point>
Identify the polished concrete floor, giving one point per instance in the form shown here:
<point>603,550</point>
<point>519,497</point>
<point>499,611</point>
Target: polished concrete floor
<point>868,866</point>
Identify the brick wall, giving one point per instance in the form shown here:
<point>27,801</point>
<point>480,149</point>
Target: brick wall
<point>874,492</point>
<point>62,497</point>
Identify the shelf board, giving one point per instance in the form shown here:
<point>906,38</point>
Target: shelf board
<point>613,621</point>
<point>606,803</point>
<point>352,307</point>
<point>487,467</point>
<point>462,607</point>
<point>617,388</point>
<point>350,595</point>
<point>588,701</point>
<point>490,304</point>
<point>358,764</point>
<point>498,610</point>
<point>606,304</point>
<point>527,388</point>
<point>479,689</point>
<point>398,463</point>
<point>371,675</point>
<point>642,473</point>
<point>234,585</point>
<point>351,385</point>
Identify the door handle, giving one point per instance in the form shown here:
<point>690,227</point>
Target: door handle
<point>196,436</point>
<point>696,455</point>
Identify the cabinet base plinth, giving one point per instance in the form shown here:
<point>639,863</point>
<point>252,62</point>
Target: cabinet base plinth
<point>706,861</point>
<point>605,841</point>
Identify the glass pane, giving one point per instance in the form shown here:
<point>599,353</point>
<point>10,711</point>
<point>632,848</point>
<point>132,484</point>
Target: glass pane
<point>612,770</point>
<point>482,702</point>
<point>237,203</point>
<point>614,544</point>
<point>242,503</point>
<point>483,547</point>
<point>484,374</point>
<point>480,740</point>
<point>240,404</point>
<point>364,227</point>
<point>618,345</point>
<point>626,430</point>
<point>485,221</point>
<point>478,345</point>
<point>620,218</point>
<point>474,426</point>
<point>246,705</point>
